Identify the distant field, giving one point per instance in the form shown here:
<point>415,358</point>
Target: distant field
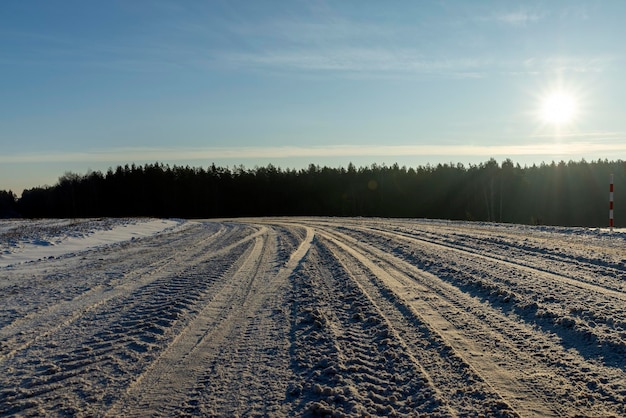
<point>310,316</point>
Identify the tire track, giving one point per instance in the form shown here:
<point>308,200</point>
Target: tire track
<point>305,317</point>
<point>242,315</point>
<point>348,359</point>
<point>39,323</point>
<point>587,284</point>
<point>514,366</point>
<point>457,381</point>
<point>24,332</point>
<point>590,321</point>
<point>117,339</point>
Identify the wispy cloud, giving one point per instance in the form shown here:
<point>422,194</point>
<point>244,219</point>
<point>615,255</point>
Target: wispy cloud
<point>276,46</point>
<point>284,44</point>
<point>557,65</point>
<point>596,137</point>
<point>519,18</point>
<point>568,64</point>
<point>237,154</point>
<point>357,60</point>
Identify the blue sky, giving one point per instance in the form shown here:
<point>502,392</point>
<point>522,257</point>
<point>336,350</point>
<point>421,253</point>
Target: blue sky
<point>88,85</point>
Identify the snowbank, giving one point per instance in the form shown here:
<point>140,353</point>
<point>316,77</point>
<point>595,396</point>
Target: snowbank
<point>25,241</point>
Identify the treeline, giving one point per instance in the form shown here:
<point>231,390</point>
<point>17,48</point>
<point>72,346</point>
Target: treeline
<point>573,193</point>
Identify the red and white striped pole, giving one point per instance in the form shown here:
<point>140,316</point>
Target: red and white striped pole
<point>611,204</point>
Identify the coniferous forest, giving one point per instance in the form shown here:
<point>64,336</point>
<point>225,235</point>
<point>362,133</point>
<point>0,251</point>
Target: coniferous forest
<point>568,194</point>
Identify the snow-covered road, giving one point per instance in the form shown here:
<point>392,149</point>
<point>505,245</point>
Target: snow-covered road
<point>310,316</point>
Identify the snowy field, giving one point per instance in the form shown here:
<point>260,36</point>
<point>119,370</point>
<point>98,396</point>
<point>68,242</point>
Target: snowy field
<point>310,317</point>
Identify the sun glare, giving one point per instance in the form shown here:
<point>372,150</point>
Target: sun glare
<point>559,108</point>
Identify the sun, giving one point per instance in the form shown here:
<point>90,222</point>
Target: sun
<point>559,108</point>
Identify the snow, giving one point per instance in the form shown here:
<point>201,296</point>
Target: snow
<point>55,239</point>
<point>310,316</point>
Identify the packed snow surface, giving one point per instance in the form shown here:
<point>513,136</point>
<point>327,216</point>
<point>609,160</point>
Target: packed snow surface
<point>310,317</point>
